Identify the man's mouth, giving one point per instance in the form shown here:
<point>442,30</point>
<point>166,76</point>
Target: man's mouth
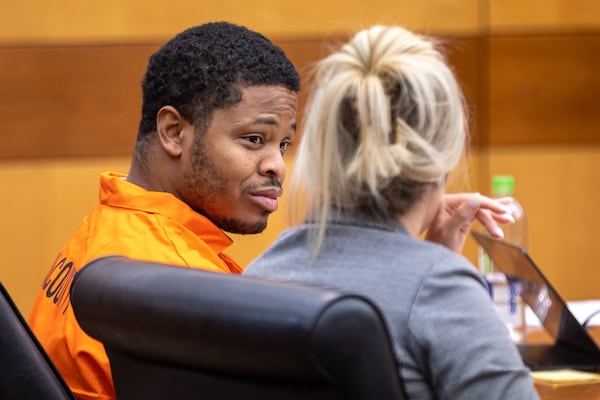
<point>266,198</point>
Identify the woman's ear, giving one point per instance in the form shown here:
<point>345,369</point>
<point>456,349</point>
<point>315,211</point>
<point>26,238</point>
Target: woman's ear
<point>169,128</point>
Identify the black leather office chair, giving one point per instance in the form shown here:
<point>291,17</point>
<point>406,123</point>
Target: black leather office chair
<point>178,333</point>
<point>26,372</point>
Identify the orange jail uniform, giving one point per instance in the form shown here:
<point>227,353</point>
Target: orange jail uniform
<point>132,222</point>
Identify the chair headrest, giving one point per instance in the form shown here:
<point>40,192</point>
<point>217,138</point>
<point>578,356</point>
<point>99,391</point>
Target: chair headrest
<point>209,320</point>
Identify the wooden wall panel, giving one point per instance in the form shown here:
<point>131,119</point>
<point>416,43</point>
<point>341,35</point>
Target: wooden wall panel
<point>543,89</point>
<point>116,20</point>
<point>514,16</point>
<point>467,56</point>
<point>84,101</point>
<point>70,101</point>
<point>41,204</point>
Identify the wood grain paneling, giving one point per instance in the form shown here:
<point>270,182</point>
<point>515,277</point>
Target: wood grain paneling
<point>68,21</point>
<point>518,16</point>
<point>47,200</point>
<point>84,101</point>
<point>70,101</point>
<point>467,57</point>
<point>544,89</point>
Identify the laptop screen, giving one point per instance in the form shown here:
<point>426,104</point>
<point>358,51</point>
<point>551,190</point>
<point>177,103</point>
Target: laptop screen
<point>536,291</point>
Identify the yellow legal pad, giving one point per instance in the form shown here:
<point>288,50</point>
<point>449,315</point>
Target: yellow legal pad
<point>561,377</point>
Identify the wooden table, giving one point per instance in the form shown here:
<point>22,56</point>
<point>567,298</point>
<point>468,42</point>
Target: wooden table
<point>580,391</point>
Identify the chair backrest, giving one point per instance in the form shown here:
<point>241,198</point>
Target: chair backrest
<point>26,371</point>
<point>173,332</point>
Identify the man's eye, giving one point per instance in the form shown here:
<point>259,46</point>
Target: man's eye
<point>284,146</point>
<point>255,139</point>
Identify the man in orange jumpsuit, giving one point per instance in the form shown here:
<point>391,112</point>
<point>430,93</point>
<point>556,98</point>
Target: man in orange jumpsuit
<point>218,113</point>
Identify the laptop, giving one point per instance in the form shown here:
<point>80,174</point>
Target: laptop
<point>573,347</point>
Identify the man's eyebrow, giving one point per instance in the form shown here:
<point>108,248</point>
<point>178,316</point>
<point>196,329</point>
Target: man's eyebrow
<point>270,121</point>
<point>265,121</point>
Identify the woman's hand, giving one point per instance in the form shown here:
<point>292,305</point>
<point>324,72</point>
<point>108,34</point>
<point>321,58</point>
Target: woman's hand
<point>457,213</point>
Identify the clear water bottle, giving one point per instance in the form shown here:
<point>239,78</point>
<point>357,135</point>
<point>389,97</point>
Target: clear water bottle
<point>505,290</point>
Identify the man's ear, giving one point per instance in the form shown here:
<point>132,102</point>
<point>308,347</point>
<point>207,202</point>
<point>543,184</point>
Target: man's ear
<point>169,127</point>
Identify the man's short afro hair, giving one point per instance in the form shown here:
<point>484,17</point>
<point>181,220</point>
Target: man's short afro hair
<point>205,67</point>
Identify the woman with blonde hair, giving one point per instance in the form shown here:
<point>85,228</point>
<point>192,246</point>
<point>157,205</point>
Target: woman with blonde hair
<point>384,126</point>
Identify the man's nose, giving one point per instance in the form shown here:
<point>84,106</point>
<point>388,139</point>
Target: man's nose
<point>273,164</point>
